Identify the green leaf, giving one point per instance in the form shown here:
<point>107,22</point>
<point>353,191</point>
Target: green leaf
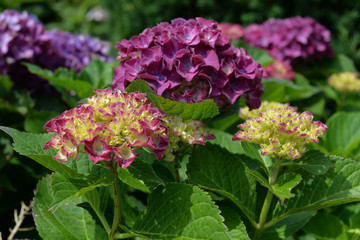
<point>68,222</point>
<point>339,185</point>
<point>345,64</point>
<point>326,226</point>
<point>181,211</point>
<point>224,139</point>
<point>216,169</point>
<point>283,186</point>
<point>139,85</point>
<point>140,175</point>
<point>82,88</point>
<point>199,111</point>
<point>343,134</point>
<point>5,85</point>
<point>67,190</point>
<point>98,73</point>
<point>233,221</point>
<point>288,226</point>
<point>35,120</point>
<point>259,55</point>
<point>31,145</point>
<point>253,151</point>
<point>314,162</point>
<point>281,90</point>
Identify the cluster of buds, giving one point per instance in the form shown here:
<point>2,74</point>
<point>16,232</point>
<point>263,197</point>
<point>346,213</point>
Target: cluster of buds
<point>279,69</point>
<point>186,131</point>
<point>112,124</point>
<point>231,30</point>
<point>189,61</point>
<point>282,133</point>
<point>290,38</point>
<point>345,82</point>
<point>245,112</point>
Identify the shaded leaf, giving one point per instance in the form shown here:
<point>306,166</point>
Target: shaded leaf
<point>68,222</point>
<point>216,169</point>
<point>99,73</point>
<point>314,162</point>
<point>181,211</point>
<point>252,150</point>
<point>139,85</point>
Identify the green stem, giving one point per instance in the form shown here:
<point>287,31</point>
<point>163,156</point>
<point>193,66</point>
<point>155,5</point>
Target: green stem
<point>101,216</point>
<point>124,235</point>
<point>176,169</point>
<point>117,203</point>
<point>267,202</point>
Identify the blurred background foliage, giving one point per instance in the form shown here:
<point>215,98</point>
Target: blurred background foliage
<point>113,20</point>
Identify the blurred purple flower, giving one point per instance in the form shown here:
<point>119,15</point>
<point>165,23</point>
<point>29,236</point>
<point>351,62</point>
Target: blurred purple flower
<point>291,38</point>
<point>231,30</point>
<point>189,61</point>
<point>23,38</point>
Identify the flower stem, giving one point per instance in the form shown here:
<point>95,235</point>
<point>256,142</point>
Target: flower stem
<point>267,202</point>
<point>117,203</point>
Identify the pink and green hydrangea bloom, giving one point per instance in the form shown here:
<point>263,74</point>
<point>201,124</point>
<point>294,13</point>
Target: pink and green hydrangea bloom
<point>282,133</point>
<point>109,124</point>
<point>112,124</point>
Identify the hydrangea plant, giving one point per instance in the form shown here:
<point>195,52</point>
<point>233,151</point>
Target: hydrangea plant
<point>245,112</point>
<point>290,38</point>
<point>232,30</point>
<point>345,82</point>
<point>279,69</point>
<point>189,61</point>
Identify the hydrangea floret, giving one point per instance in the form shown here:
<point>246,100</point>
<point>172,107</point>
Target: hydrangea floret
<point>290,38</point>
<point>111,123</point>
<point>232,30</point>
<point>187,131</point>
<point>345,82</point>
<point>189,61</point>
<point>279,69</point>
<point>245,112</point>
<point>282,133</point>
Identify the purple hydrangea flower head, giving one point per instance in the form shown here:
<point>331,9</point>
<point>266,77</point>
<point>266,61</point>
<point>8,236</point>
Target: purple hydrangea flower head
<point>22,38</point>
<point>76,51</point>
<point>189,61</point>
<point>291,38</point>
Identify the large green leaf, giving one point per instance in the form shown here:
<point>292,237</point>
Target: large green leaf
<point>253,151</point>
<point>82,88</point>
<point>31,145</point>
<point>199,111</point>
<point>181,211</point>
<point>281,90</point>
<point>338,185</point>
<point>283,186</point>
<point>98,73</point>
<point>139,85</point>
<point>68,222</point>
<point>287,227</point>
<point>343,134</point>
<point>224,139</point>
<point>314,162</point>
<point>326,226</point>
<point>216,169</point>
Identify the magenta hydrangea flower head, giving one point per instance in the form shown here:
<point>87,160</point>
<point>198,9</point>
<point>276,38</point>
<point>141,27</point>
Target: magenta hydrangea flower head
<point>291,38</point>
<point>231,30</point>
<point>279,69</point>
<point>110,124</point>
<point>22,37</point>
<point>189,61</point>
<point>282,133</point>
<point>186,131</point>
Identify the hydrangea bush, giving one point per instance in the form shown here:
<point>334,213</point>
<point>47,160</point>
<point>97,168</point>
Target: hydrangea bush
<point>290,39</point>
<point>127,163</point>
<point>189,61</point>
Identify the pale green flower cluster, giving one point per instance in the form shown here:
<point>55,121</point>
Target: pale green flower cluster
<point>282,133</point>
<point>345,82</point>
<point>244,113</point>
<point>186,131</point>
